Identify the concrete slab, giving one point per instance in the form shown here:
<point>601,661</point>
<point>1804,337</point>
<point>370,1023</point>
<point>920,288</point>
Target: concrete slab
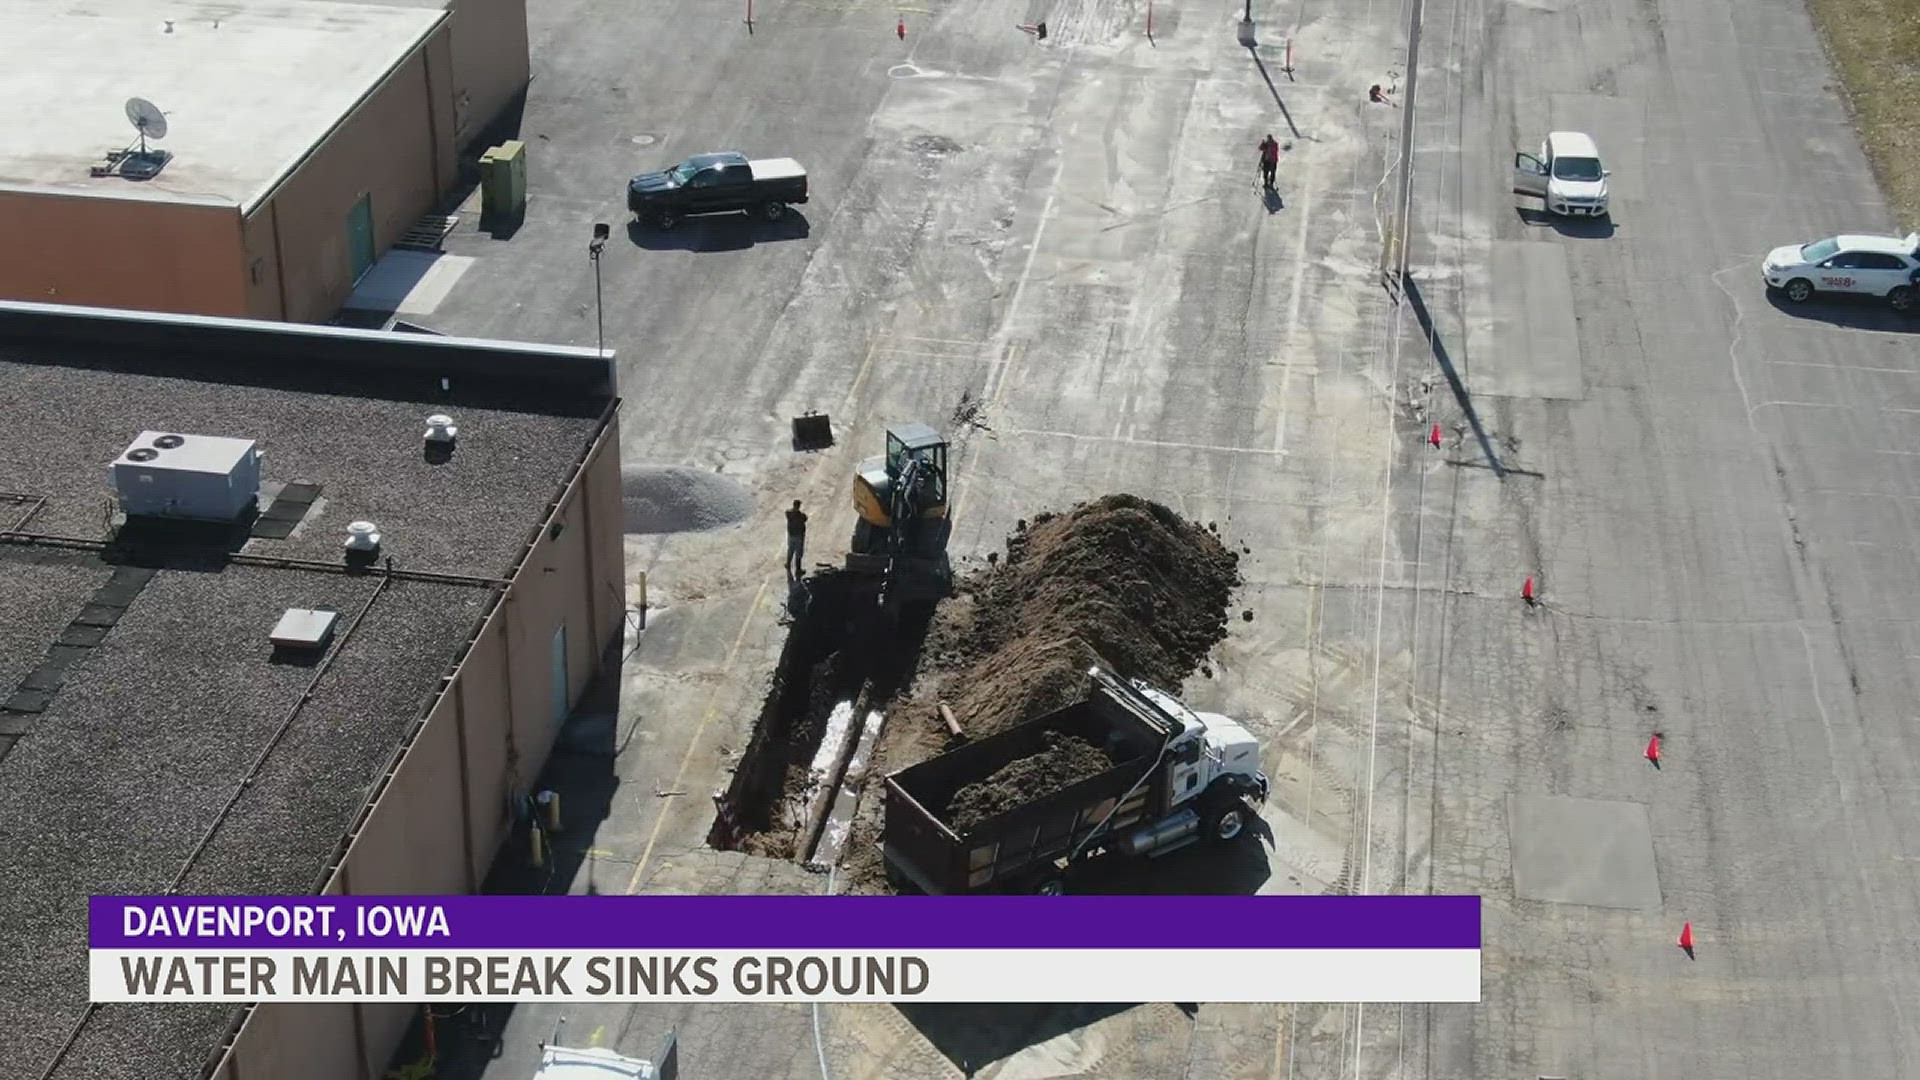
<point>1521,334</point>
<point>1597,852</point>
<point>409,282</point>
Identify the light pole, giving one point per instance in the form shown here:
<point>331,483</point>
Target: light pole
<point>1403,202</point>
<point>601,230</point>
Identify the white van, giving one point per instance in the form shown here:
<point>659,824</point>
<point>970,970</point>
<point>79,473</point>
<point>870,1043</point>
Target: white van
<point>1567,174</point>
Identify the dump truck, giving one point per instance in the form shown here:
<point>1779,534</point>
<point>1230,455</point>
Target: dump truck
<point>1178,777</point>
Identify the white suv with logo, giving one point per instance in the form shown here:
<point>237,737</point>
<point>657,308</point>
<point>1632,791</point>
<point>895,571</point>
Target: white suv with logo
<point>1886,266</point>
<point>1567,175</point>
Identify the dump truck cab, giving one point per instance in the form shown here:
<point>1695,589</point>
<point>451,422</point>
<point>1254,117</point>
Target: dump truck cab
<point>1208,747</point>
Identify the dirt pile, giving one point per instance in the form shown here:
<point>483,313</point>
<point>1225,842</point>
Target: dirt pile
<point>1120,579</point>
<point>1064,761</point>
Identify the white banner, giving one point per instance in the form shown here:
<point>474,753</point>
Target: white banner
<point>943,975</point>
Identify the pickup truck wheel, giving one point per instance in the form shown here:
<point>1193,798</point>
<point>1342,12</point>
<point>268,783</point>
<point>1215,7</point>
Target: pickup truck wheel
<point>1799,290</point>
<point>773,211</point>
<point>1901,298</point>
<point>1051,885</point>
<point>1227,823</point>
<point>666,219</point>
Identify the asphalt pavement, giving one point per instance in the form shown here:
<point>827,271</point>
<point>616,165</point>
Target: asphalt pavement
<point>1711,491</point>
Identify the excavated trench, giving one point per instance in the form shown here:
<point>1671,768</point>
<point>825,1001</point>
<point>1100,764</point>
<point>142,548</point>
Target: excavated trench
<point>835,675</point>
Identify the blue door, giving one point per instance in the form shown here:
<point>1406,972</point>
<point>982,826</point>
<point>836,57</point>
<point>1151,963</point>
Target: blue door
<point>360,237</point>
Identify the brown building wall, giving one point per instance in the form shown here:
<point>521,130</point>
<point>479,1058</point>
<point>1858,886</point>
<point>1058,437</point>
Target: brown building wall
<point>448,795</point>
<point>490,61</point>
<point>396,147</point>
<point>121,253</point>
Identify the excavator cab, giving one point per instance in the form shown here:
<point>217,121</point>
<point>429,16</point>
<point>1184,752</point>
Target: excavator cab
<point>908,483</point>
<point>900,541</point>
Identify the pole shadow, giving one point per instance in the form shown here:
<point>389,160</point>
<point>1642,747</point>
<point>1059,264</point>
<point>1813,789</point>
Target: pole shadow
<point>1287,116</point>
<point>1411,290</point>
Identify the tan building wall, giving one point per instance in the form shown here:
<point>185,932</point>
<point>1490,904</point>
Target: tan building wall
<point>440,821</point>
<point>396,148</point>
<point>287,260</point>
<point>123,253</point>
<point>490,61</point>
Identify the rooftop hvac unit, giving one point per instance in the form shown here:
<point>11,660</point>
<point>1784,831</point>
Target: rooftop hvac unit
<point>197,477</point>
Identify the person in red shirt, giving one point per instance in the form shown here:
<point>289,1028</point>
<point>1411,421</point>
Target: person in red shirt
<point>1269,159</point>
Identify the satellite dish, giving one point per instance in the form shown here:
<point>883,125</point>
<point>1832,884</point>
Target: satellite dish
<point>146,118</point>
<point>142,164</point>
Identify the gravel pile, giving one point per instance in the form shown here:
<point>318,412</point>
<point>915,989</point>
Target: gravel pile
<point>676,499</point>
<point>1065,760</point>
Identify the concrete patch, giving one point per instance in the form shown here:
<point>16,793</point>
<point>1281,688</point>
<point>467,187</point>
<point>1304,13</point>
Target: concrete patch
<point>1521,337</point>
<point>409,282</point>
<point>1597,852</point>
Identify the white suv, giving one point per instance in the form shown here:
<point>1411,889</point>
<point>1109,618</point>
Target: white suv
<point>1873,265</point>
<point>1567,174</point>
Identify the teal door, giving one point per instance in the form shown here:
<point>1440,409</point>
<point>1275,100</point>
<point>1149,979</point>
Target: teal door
<point>360,237</point>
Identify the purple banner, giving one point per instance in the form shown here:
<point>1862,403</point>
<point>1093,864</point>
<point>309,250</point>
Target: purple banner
<point>813,923</point>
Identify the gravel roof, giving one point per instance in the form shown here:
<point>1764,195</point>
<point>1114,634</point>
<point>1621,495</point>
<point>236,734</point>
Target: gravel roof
<point>153,728</point>
<point>151,734</point>
<point>470,515</point>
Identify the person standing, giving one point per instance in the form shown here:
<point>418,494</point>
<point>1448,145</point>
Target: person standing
<point>796,542</point>
<point>1269,159</point>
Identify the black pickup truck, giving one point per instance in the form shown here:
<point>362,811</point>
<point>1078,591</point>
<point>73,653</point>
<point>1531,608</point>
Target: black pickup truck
<point>714,184</point>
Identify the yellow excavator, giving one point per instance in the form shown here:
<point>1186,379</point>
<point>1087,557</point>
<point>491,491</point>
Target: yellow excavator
<point>899,545</point>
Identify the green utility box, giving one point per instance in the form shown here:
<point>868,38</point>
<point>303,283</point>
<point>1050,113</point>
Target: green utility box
<point>503,181</point>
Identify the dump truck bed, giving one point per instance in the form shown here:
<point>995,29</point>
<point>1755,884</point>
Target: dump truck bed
<point>921,845</point>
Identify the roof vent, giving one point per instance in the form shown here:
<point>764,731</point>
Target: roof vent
<point>304,629</point>
<point>440,429</point>
<point>197,477</point>
<point>363,537</point>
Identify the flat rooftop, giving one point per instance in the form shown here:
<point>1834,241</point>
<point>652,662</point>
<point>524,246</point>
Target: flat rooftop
<point>220,72</point>
<point>157,717</point>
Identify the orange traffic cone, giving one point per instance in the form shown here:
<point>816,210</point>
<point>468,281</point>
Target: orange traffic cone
<point>1526,593</point>
<point>901,28</point>
<point>1434,437</point>
<point>1653,749</point>
<point>1686,940</point>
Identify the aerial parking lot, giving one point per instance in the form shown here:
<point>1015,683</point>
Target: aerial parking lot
<point>1058,252</point>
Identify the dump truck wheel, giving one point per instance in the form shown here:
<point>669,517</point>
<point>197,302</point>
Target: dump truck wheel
<point>1227,823</point>
<point>1051,885</point>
